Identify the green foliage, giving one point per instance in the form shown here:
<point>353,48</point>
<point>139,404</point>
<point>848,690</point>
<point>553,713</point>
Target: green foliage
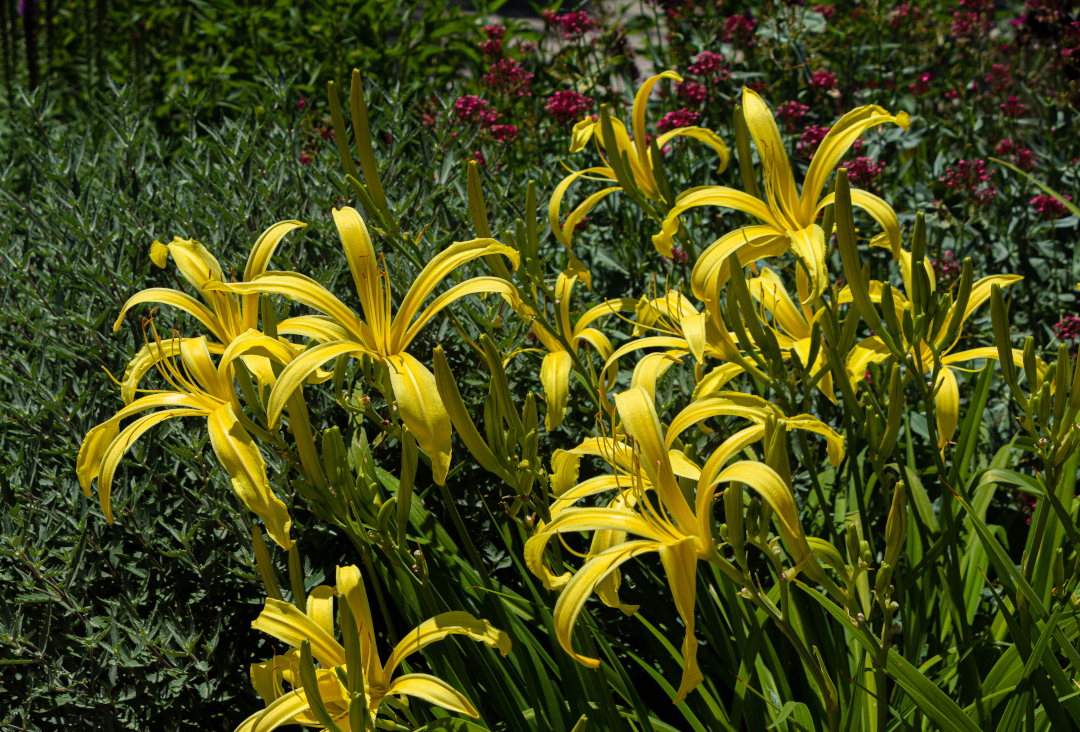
<point>145,624</point>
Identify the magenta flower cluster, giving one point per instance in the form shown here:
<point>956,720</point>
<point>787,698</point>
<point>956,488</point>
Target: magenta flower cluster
<point>1068,328</point>
<point>863,171</point>
<point>946,267</point>
<point>1022,158</point>
<point>509,77</point>
<point>790,113</point>
<point>572,25</point>
<point>1048,207</point>
<point>568,106</point>
<point>677,119</point>
<point>739,30</point>
<point>810,140</point>
<point>973,179</point>
<point>823,81</point>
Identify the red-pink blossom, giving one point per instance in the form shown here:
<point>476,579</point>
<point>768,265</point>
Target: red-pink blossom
<point>810,140</point>
<point>1049,207</point>
<point>573,25</point>
<point>953,93</point>
<point>677,255</point>
<point>790,113</point>
<point>739,30</point>
<point>568,106</point>
<point>1068,328</point>
<point>691,92</point>
<point>305,159</point>
<point>823,81</point>
<point>999,77</point>
<point>494,32</point>
<point>301,104</point>
<point>922,85</point>
<point>1013,107</point>
<point>972,18</point>
<point>509,77</point>
<point>478,158</point>
<point>827,10</point>
<point>706,63</point>
<point>468,108</point>
<point>504,133</point>
<point>675,120</point>
<point>862,171</point>
<point>971,178</point>
<point>491,48</point>
<point>947,268</point>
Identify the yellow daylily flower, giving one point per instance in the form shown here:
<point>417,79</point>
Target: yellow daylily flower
<point>792,326</point>
<point>199,389</point>
<point>652,505</point>
<point>285,622</point>
<point>637,154</point>
<point>683,331</point>
<point>223,314</point>
<point>786,214</point>
<point>557,364</point>
<point>947,394</point>
<point>382,333</point>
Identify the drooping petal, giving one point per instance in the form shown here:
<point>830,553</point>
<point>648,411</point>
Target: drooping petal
<point>834,442</point>
<point>321,328</point>
<point>434,691</point>
<point>288,624</point>
<point>277,714</point>
<point>555,376</point>
<point>597,340</point>
<point>726,404</point>
<point>694,329</point>
<point>712,196</point>
<point>257,262</point>
<point>240,456</point>
<point>879,210</point>
<point>195,357</point>
<point>715,464</point>
<point>980,293</point>
<point>865,352</point>
<point>180,300</point>
<point>144,360</point>
<point>350,585</point>
<point>195,262</point>
<point>577,590</point>
<point>561,231</point>
<point>299,288</point>
<point>293,376</point>
<point>770,147</point>
<point>120,444</point>
<point>825,384</point>
<point>809,247</point>
<point>638,414</point>
<point>401,336</point>
<point>837,142</point>
<point>254,344</point>
<point>714,258</point>
<point>946,406</point>
<point>422,410</point>
<point>701,134</point>
<point>680,565</point>
<point>441,626</point>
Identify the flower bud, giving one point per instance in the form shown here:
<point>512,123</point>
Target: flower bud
<point>896,526</point>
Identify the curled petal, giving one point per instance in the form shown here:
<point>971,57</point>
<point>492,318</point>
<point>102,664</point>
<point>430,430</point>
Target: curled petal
<point>434,691</point>
<point>441,626</point>
<point>422,410</point>
<point>946,406</point>
<point>555,376</point>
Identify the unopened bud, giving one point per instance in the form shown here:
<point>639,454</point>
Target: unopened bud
<point>1043,442</point>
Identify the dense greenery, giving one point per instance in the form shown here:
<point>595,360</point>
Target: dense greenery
<point>210,120</point>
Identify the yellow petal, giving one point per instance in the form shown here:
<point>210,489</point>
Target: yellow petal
<point>825,384</point>
<point>770,147</point>
<point>809,247</point>
<point>350,585</point>
<point>564,471</point>
<point>402,337</point>
<point>176,299</point>
<point>293,376</point>
<point>980,293</point>
<point>197,363</point>
<point>770,291</point>
<point>259,257</point>
<point>715,464</point>
<point>422,410</point>
<point>441,626</point>
<point>277,714</point>
<point>946,406</point>
<point>693,328</point>
<point>195,262</point>
<point>638,414</point>
<point>320,607</point>
<point>650,368</point>
<point>577,590</point>
<point>837,142</point>
<point>680,565</point>
<point>266,679</point>
<point>321,328</point>
<point>240,457</point>
<point>641,103</point>
<point>251,344</point>
<point>363,263</point>
<point>555,376</point>
<point>562,232</point>
<point>727,404</point>
<point>712,196</point>
<point>701,134</point>
<point>144,360</point>
<point>865,352</point>
<point>715,380</point>
<point>434,691</point>
<point>880,211</point>
<point>284,621</point>
<point>299,288</point>
<point>834,442</point>
<point>159,254</point>
<point>112,454</point>
<point>713,260</point>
